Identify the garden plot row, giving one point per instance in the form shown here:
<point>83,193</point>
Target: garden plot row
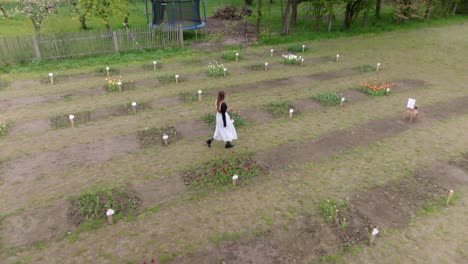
<point>194,178</point>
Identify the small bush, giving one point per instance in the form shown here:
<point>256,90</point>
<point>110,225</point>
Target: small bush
<point>278,109</point>
<point>219,171</point>
<point>101,71</point>
<point>367,68</point>
<point>216,70</point>
<point>64,121</point>
<point>329,209</point>
<point>230,55</point>
<point>328,98</point>
<point>291,59</point>
<point>210,119</point>
<point>298,48</point>
<point>153,136</point>
<point>93,205</point>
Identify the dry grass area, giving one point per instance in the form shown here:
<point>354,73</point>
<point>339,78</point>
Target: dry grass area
<point>362,155</point>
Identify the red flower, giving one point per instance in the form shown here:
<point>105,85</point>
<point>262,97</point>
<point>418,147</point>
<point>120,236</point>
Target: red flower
<point>152,261</point>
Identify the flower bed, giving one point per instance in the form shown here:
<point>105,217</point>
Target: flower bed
<point>230,56</point>
<point>374,88</point>
<point>113,86</point>
<point>291,59</point>
<point>216,70</point>
<point>328,98</point>
<point>278,109</point>
<point>153,136</point>
<point>64,120</point>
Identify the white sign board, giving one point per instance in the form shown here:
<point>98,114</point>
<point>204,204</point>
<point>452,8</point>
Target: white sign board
<point>110,212</point>
<point>411,103</point>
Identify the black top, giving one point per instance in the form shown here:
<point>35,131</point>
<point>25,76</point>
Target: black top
<point>223,112</point>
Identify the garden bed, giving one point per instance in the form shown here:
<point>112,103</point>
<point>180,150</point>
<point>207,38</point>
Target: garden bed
<point>153,136</point>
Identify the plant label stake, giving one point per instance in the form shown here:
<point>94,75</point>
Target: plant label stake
<point>177,79</point>
<point>266,66</point>
<point>199,95</point>
<point>109,214</point>
<point>51,76</point>
<point>225,70</point>
<point>302,61</point>
<point>155,63</point>
<point>72,122</point>
<point>449,197</point>
<point>337,57</point>
<point>388,91</point>
<point>120,86</point>
<point>271,52</point>
<point>303,48</point>
<point>237,56</point>
<point>342,101</point>
<point>375,232</point>
<point>134,105</point>
<point>291,111</point>
<point>378,67</point>
<point>165,138</point>
<point>107,71</point>
<point>234,179</point>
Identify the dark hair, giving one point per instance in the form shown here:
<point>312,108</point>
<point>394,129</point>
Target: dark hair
<point>221,96</point>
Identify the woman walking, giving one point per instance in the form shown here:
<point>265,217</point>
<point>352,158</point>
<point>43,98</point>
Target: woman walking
<point>225,129</point>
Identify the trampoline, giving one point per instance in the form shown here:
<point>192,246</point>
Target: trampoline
<point>172,13</point>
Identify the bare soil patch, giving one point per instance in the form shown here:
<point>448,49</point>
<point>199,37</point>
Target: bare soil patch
<point>308,105</point>
<point>461,162</point>
<point>407,84</point>
<point>257,116</point>
<point>353,96</point>
<point>35,126</point>
<point>193,129</point>
<point>166,101</point>
<point>22,83</point>
<point>25,101</point>
<point>147,83</point>
<point>39,164</point>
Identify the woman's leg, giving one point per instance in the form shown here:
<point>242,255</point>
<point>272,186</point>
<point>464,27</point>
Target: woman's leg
<point>209,141</point>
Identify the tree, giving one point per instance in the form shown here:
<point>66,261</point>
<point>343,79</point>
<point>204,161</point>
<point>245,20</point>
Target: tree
<point>4,12</point>
<point>378,5</point>
<point>37,10</point>
<point>353,7</point>
<point>104,9</point>
<point>82,8</point>
<point>285,16</point>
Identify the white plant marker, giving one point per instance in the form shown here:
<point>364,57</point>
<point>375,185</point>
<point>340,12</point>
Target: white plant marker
<point>375,232</point>
<point>72,122</point>
<point>225,70</point>
<point>199,95</point>
<point>291,111</point>
<point>271,52</point>
<point>342,101</point>
<point>234,179</point>
<point>302,61</point>
<point>378,67</point>
<point>120,86</point>
<point>177,78</point>
<point>337,57</point>
<point>303,48</point>
<point>388,91</point>
<point>237,56</point>
<point>155,64</point>
<point>107,71</point>
<point>51,76</point>
<point>165,137</point>
<point>134,105</point>
<point>411,103</point>
<point>266,66</point>
<point>110,213</point>
<point>449,197</point>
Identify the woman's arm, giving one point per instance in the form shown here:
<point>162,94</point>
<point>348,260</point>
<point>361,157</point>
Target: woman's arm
<point>223,112</point>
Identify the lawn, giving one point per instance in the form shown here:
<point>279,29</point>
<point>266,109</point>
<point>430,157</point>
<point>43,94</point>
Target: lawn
<point>177,200</point>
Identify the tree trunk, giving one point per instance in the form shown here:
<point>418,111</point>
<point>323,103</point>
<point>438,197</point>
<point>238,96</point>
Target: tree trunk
<point>108,28</point>
<point>348,16</point>
<point>294,5</point>
<point>4,12</point>
<point>454,9</point>
<point>329,22</point>
<point>259,16</point>
<point>427,13</point>
<point>83,22</point>
<point>126,20</point>
<point>378,4</point>
<point>286,19</point>
<point>364,19</point>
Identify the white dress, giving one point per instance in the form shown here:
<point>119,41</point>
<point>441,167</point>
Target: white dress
<point>227,133</point>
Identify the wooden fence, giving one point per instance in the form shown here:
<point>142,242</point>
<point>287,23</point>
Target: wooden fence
<point>78,44</point>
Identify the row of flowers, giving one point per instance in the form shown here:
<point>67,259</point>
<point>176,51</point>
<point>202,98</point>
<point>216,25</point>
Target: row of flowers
<point>374,85</point>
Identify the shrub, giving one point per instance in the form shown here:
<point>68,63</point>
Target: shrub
<point>166,79</point>
<point>278,109</point>
<point>210,118</point>
<point>374,88</point>
<point>216,70</point>
<point>220,171</point>
<point>230,55</point>
<point>93,205</point>
<point>328,98</point>
<point>291,59</point>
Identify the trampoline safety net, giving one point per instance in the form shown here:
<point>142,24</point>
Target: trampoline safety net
<point>178,12</point>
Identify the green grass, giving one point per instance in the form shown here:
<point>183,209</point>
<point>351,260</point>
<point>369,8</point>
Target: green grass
<point>101,71</point>
<point>63,121</point>
<point>169,78</point>
<point>298,48</point>
<point>4,128</point>
<point>231,55</point>
<point>367,68</point>
<point>3,83</point>
<point>219,171</point>
<point>279,109</point>
<point>329,209</point>
<point>436,205</point>
<point>328,99</point>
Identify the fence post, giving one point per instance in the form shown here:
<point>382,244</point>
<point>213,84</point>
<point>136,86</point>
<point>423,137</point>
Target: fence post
<point>37,51</point>
<point>114,38</point>
<point>181,37</point>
